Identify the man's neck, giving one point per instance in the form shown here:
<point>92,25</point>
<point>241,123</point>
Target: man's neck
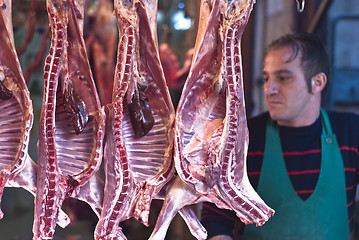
<point>303,120</point>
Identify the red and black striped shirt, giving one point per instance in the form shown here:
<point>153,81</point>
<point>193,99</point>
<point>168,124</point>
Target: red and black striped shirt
<point>302,155</point>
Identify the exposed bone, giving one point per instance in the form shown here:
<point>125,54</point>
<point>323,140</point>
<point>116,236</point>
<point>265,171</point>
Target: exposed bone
<point>71,125</point>
<point>211,130</point>
<point>138,151</point>
<point>16,166</point>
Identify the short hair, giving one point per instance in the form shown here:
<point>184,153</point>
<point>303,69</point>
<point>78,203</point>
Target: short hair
<point>314,57</point>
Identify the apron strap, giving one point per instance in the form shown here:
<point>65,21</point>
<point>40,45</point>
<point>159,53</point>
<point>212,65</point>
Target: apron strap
<point>325,118</point>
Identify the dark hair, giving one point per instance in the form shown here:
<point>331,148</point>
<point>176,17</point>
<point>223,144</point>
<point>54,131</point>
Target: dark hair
<point>314,58</point>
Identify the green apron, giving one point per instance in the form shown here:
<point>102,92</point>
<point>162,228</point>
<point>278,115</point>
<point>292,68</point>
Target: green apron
<point>323,215</point>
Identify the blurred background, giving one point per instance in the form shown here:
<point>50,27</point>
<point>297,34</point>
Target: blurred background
<point>336,22</point>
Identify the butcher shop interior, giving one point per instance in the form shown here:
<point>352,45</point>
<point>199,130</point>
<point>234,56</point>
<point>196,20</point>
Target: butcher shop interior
<point>37,29</point>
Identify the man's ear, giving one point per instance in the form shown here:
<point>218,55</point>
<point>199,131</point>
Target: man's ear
<point>318,82</point>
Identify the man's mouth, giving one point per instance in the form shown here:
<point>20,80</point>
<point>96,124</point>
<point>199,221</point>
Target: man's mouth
<point>273,101</point>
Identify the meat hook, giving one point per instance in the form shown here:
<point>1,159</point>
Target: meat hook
<point>300,5</point>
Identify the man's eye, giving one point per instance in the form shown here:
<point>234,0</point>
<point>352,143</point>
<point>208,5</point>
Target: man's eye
<point>284,78</point>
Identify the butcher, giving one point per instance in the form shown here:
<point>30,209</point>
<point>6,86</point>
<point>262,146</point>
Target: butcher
<point>302,160</point>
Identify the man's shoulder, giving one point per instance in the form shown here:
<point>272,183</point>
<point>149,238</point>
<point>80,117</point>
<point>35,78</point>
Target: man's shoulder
<point>343,116</point>
<point>344,120</point>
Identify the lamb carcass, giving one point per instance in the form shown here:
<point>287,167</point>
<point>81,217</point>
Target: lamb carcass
<point>17,169</point>
<point>72,122</point>
<point>16,110</point>
<point>139,143</point>
<point>211,129</point>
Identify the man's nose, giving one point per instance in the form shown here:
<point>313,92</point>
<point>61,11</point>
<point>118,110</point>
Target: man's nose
<point>271,86</point>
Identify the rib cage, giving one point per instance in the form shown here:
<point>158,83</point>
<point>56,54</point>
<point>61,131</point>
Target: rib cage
<point>11,125</point>
<point>72,150</point>
<point>14,136</point>
<point>145,154</point>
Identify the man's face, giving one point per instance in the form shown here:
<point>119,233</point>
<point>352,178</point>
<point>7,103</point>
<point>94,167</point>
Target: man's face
<point>285,88</point>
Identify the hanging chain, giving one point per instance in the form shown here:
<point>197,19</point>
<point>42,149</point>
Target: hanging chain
<point>300,5</point>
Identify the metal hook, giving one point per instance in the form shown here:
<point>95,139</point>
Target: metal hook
<point>300,5</point>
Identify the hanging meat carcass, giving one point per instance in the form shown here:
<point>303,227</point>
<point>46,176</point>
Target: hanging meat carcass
<point>17,169</point>
<point>138,151</point>
<point>16,110</point>
<point>71,123</point>
<point>211,131</point>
